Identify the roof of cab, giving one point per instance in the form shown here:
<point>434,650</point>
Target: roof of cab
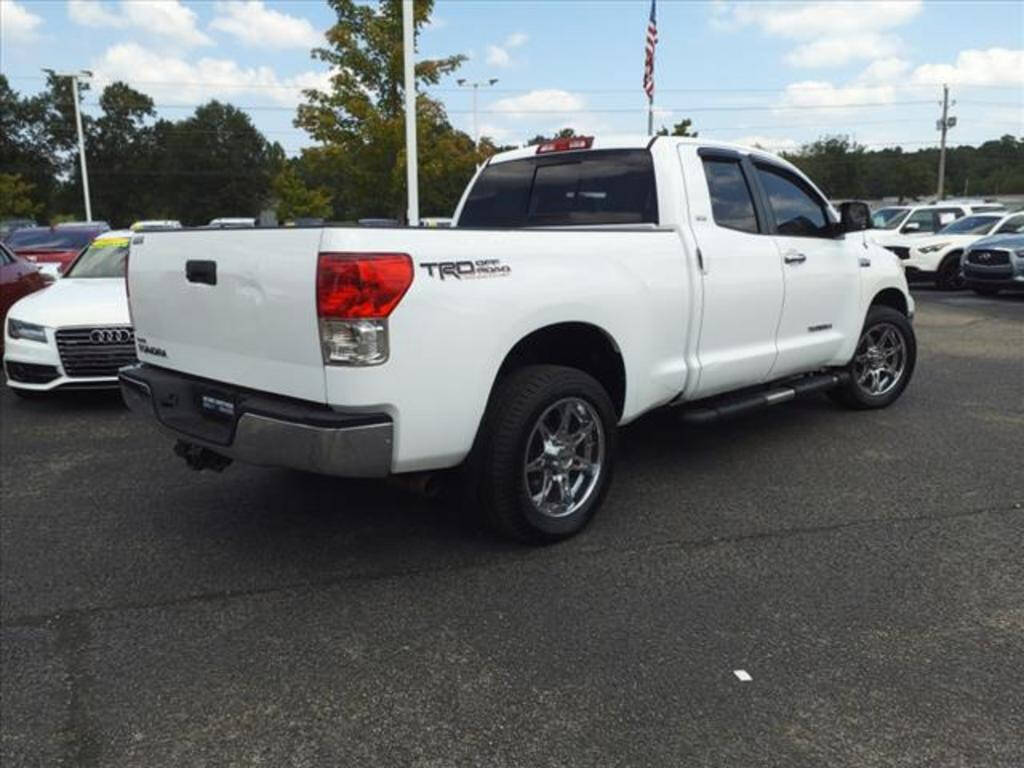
<point>639,141</point>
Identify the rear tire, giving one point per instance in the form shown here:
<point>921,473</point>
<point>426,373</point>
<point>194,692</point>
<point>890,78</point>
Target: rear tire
<point>543,458</point>
<point>882,363</point>
<point>949,276</point>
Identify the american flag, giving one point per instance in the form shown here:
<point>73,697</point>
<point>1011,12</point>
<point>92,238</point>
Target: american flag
<point>652,42</point>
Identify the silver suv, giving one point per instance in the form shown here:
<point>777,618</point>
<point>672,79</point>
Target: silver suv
<point>994,263</point>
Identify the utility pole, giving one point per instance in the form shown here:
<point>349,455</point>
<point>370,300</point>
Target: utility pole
<point>83,74</point>
<point>943,125</point>
<point>411,155</point>
<point>463,83</point>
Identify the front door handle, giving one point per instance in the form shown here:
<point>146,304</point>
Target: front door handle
<point>793,257</point>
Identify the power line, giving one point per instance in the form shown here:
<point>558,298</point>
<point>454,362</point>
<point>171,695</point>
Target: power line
<point>445,89</point>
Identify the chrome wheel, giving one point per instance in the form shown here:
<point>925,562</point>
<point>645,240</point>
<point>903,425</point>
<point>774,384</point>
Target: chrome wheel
<point>564,458</point>
<point>881,359</point>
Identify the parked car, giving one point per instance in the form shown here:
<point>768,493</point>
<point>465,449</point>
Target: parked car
<point>17,278</point>
<point>77,332</point>
<point>937,258</point>
<point>10,225</point>
<point>53,248</point>
<point>994,263</point>
<point>232,223</point>
<point>584,283</point>
<point>152,225</point>
<point>899,227</point>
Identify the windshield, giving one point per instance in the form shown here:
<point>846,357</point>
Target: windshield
<point>888,218</point>
<point>46,239</point>
<point>970,225</point>
<point>106,257</point>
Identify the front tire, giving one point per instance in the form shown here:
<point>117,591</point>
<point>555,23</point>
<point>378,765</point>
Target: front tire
<point>543,459</point>
<point>883,362</point>
<point>950,276</point>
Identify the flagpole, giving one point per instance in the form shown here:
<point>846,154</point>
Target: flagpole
<point>650,117</point>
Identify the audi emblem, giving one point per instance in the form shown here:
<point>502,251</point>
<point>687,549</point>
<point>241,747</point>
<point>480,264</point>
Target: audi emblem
<point>110,336</point>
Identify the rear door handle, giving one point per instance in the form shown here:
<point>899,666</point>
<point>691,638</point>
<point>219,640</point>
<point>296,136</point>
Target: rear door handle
<point>793,257</point>
<point>201,271</point>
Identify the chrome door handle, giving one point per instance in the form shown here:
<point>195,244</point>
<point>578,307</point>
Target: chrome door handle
<point>794,257</point>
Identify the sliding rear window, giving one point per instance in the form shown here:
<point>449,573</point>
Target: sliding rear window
<point>590,188</point>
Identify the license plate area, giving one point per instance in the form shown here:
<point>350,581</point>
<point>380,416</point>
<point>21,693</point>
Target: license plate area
<point>196,409</point>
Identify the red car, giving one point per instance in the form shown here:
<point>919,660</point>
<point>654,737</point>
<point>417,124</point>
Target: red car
<point>17,278</point>
<point>54,248</point>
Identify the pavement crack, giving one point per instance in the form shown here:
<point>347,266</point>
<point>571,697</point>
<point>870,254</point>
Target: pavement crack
<point>81,745</point>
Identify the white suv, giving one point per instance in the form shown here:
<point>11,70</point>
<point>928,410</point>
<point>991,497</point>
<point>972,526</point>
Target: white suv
<point>898,227</point>
<point>938,257</point>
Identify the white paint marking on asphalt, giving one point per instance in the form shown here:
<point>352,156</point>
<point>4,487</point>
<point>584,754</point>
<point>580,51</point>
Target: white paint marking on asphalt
<point>742,675</point>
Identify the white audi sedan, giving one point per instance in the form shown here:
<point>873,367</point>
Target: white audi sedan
<point>76,333</point>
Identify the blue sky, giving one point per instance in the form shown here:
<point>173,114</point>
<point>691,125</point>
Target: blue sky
<point>776,73</point>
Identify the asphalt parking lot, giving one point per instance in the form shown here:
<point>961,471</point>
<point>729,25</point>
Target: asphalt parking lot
<point>865,569</point>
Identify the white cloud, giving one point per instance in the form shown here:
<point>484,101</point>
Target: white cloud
<point>770,143</point>
<point>817,93</point>
<point>884,70</point>
<point>836,51</point>
<point>993,66</point>
<point>175,80</point>
<point>540,111</point>
<point>500,55</point>
<point>835,33</point>
<point>17,24</point>
<point>254,24</point>
<point>810,20</point>
<point>163,18</point>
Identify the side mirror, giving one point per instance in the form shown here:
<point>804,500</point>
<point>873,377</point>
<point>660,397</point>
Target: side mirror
<point>854,217</point>
<point>912,226</point>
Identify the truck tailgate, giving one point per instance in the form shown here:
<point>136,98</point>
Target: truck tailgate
<point>236,306</point>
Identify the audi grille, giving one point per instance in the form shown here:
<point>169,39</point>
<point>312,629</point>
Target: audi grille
<point>95,352</point>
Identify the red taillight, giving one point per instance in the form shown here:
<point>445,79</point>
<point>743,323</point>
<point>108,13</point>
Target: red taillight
<point>355,285</point>
<point>566,145</point>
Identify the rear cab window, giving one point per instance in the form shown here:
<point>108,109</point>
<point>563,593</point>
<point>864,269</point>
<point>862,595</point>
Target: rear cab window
<point>588,188</point>
<point>732,203</point>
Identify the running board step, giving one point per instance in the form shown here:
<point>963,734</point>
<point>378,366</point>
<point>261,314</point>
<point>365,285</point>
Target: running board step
<point>729,407</point>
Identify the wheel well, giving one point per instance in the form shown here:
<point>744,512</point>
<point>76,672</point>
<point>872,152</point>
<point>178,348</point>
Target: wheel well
<point>955,254</point>
<point>891,297</point>
<point>575,345</point>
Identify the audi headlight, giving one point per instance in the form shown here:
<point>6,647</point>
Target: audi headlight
<point>933,248</point>
<point>16,329</point>
<point>1019,253</point>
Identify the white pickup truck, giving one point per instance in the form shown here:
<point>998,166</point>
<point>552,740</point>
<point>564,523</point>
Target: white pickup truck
<point>583,283</point>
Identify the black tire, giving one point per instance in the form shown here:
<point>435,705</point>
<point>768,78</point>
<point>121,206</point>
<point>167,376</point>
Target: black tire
<point>854,394</point>
<point>985,290</point>
<point>950,276</point>
<point>496,477</point>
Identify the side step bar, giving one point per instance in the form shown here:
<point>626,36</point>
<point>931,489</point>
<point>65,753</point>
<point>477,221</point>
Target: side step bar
<point>730,406</point>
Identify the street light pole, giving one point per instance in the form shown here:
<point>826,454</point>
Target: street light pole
<point>462,83</point>
<point>411,154</point>
<point>75,76</point>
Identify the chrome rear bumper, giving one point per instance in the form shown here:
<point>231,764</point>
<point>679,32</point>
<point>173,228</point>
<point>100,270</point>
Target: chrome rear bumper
<point>261,429</point>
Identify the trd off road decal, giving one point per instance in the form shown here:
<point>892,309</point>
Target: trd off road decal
<point>466,270</point>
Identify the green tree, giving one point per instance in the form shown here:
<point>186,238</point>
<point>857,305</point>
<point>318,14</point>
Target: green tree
<point>682,128</point>
<point>120,153</point>
<point>27,146</point>
<point>359,120</point>
<point>214,163</point>
<point>16,200</point>
<point>297,200</point>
